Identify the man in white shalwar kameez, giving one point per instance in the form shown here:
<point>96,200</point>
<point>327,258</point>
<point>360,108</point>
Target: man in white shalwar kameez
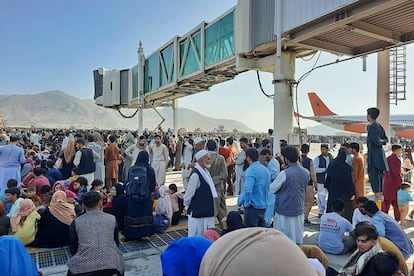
<point>239,161</point>
<point>289,187</point>
<point>199,197</point>
<point>160,157</point>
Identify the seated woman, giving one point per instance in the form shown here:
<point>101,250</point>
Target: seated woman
<point>117,204</point>
<point>4,220</point>
<point>60,186</point>
<point>252,251</point>
<point>232,222</point>
<point>184,256</point>
<point>23,223</point>
<point>53,227</point>
<point>15,260</point>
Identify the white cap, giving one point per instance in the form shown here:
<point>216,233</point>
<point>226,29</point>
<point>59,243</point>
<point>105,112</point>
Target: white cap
<point>200,154</point>
<point>198,140</point>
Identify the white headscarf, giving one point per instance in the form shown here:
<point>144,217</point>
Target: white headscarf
<point>164,203</point>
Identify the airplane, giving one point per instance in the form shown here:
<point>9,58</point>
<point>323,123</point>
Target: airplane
<point>401,125</point>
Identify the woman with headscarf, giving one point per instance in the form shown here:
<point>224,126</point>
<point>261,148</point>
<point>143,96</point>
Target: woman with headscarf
<point>340,185</point>
<point>96,144</point>
<point>164,203</point>
<point>4,220</point>
<point>117,204</point>
<point>23,223</point>
<point>184,256</point>
<point>15,259</point>
<point>60,186</point>
<point>211,234</point>
<point>129,141</point>
<point>67,159</point>
<point>253,251</point>
<point>53,227</point>
<point>139,219</point>
<point>232,222</point>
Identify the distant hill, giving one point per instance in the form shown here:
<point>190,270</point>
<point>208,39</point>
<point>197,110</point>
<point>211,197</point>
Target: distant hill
<point>56,109</point>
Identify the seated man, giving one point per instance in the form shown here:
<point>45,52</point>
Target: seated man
<point>383,264</point>
<point>359,212</point>
<point>389,228</point>
<point>332,238</point>
<point>177,203</point>
<point>367,247</point>
<point>94,241</point>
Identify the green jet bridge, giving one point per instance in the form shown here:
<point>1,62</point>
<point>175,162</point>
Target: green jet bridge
<point>265,35</point>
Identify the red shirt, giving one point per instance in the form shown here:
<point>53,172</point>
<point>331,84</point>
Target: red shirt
<point>225,153</point>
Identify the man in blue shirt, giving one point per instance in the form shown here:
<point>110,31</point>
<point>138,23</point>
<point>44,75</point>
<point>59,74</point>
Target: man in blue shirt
<point>255,192</point>
<point>389,228</point>
<point>274,169</point>
<point>332,238</point>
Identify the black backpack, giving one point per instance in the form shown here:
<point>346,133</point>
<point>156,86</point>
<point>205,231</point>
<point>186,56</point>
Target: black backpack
<point>138,186</point>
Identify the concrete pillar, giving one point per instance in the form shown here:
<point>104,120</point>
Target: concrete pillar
<point>383,90</point>
<point>284,75</point>
<point>141,103</point>
<point>175,116</point>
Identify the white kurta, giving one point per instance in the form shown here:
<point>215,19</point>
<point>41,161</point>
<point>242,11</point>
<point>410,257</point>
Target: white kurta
<point>239,184</point>
<point>159,159</point>
<point>292,227</point>
<point>186,160</point>
<point>196,226</point>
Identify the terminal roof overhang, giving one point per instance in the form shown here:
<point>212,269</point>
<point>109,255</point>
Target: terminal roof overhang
<point>362,28</point>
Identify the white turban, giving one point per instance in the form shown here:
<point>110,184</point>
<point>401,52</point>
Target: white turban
<point>200,154</point>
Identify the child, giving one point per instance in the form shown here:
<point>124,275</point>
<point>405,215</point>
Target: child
<point>97,186</point>
<point>83,187</point>
<point>177,203</point>
<point>31,194</point>
<point>404,197</point>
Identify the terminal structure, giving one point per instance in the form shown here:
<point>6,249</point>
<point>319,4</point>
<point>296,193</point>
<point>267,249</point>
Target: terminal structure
<point>266,35</point>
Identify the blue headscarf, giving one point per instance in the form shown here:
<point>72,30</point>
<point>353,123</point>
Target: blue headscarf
<point>183,257</point>
<point>15,260</point>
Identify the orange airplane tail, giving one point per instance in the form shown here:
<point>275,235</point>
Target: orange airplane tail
<point>318,106</point>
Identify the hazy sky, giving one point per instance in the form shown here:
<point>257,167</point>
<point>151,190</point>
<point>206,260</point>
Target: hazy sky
<point>55,45</point>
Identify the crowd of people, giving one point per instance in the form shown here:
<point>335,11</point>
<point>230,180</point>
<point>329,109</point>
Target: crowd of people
<point>81,189</point>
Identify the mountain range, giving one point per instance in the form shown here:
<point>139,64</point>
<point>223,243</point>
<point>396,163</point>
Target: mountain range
<point>56,109</point>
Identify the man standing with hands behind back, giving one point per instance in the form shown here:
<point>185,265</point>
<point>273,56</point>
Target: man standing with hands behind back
<point>376,138</point>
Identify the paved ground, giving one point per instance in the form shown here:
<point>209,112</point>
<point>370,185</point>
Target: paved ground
<point>147,261</point>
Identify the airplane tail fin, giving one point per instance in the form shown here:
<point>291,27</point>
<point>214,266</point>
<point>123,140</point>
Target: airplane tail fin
<point>318,106</point>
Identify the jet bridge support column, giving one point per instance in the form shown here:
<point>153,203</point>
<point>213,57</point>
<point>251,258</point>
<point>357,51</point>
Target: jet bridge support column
<point>284,76</point>
<point>141,101</point>
<point>383,90</point>
<point>175,117</point>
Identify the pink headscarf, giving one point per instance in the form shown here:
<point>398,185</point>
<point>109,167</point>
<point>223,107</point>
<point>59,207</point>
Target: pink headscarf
<point>211,235</point>
<point>68,193</point>
<point>26,208</point>
<point>61,209</point>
